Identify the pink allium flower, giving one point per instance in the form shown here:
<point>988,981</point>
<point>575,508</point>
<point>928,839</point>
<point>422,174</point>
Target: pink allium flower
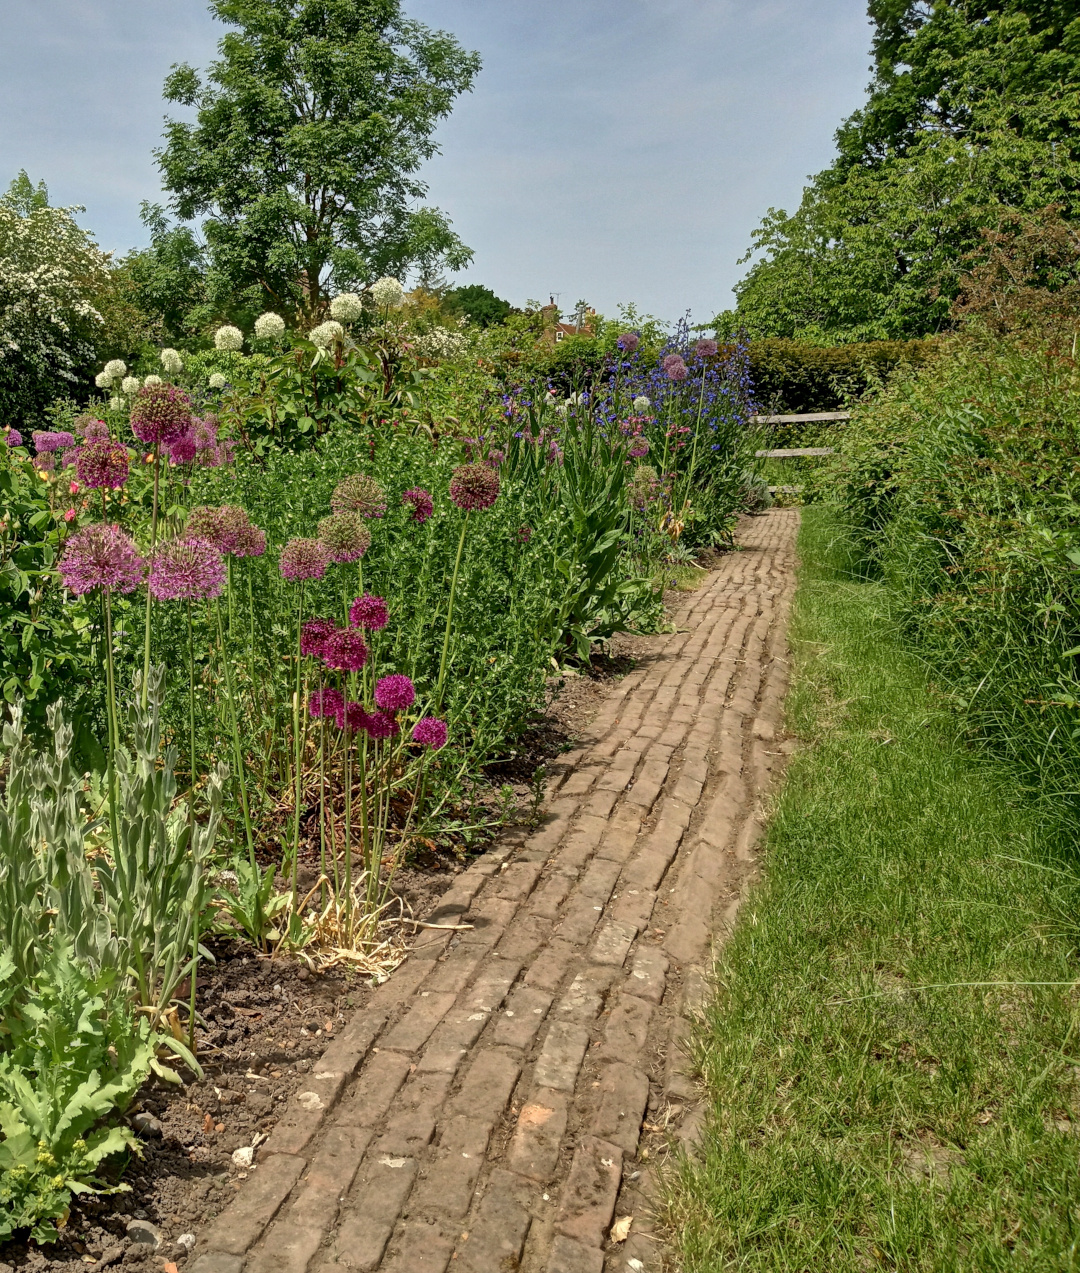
<point>474,486</point>
<point>188,569</point>
<point>326,702</point>
<point>52,441</point>
<point>102,465</point>
<point>705,348</point>
<point>431,732</point>
<point>227,527</point>
<point>160,414</point>
<point>13,437</point>
<point>92,429</point>
<point>101,556</point>
<point>422,504</point>
<point>628,342</point>
<point>675,368</point>
<point>394,693</point>
<point>205,432</point>
<point>303,559</point>
<point>351,716</point>
<point>359,494</point>
<point>369,612</point>
<point>313,636</point>
<point>344,536</point>
<point>381,725</point>
<point>181,450</point>
<point>45,463</point>
<point>344,650</point>
<point>639,447</point>
<point>251,542</point>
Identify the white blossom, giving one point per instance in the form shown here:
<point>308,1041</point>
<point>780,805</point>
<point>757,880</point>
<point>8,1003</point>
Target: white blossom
<point>325,334</point>
<point>346,308</point>
<point>153,380</point>
<point>387,293</point>
<point>116,369</point>
<point>130,384</point>
<point>440,343</point>
<point>269,326</point>
<point>228,337</point>
<point>115,404</point>
<point>217,381</point>
<point>172,362</point>
<point>641,404</point>
<point>103,380</point>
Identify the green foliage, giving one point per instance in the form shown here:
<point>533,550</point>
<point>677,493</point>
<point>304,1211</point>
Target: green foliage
<point>479,304</point>
<point>303,159</point>
<point>793,376</point>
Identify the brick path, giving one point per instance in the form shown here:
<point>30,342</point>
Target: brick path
<point>503,1096</point>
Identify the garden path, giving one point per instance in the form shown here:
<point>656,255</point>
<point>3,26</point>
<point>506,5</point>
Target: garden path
<point>503,1097</point>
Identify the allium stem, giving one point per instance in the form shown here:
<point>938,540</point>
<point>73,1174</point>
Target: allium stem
<point>238,755</point>
<point>693,451</point>
<point>149,599</point>
<point>114,739</point>
<point>298,757</point>
<point>191,714</point>
<point>450,615</point>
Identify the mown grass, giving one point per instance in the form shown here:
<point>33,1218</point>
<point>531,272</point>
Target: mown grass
<point>891,1057</point>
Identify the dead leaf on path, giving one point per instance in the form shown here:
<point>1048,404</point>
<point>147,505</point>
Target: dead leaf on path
<point>620,1230</point>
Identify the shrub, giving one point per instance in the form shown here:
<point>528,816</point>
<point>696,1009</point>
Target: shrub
<point>790,376</point>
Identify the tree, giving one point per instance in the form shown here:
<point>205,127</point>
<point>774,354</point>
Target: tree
<point>479,304</point>
<point>310,130</point>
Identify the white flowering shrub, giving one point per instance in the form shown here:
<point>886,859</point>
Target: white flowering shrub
<point>269,326</point>
<point>346,308</point>
<point>387,293</point>
<point>228,337</point>
<point>440,342</point>
<point>172,362</point>
<point>325,334</point>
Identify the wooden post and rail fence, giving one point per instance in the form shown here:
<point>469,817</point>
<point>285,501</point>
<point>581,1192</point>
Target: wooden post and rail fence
<point>792,452</point>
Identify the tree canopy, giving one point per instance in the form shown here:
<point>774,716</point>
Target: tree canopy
<point>302,160</point>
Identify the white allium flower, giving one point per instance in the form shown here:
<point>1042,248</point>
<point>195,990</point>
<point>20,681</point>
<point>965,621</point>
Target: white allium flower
<point>325,334</point>
<point>103,380</point>
<point>387,293</point>
<point>346,308</point>
<point>269,326</point>
<point>217,381</point>
<point>152,380</point>
<point>115,404</point>
<point>641,404</point>
<point>115,370</point>
<point>228,337</point>
<point>171,361</point>
<point>130,384</point>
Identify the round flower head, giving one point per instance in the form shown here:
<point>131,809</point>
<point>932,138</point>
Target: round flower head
<point>705,348</point>
<point>251,542</point>
<point>313,636</point>
<point>326,334</point>
<point>229,338</point>
<point>103,380</point>
<point>45,463</point>
<point>369,612</point>
<point>91,428</point>
<point>182,449</point>
<point>524,534</point>
<point>344,650</point>
<point>394,693</point>
<point>303,559</point>
<point>628,342</point>
<point>115,369</point>
<point>346,308</point>
<point>13,437</point>
<point>160,414</point>
<point>130,384</point>
<point>674,367</point>
<point>351,716</point>
<point>422,504</point>
<point>431,732</point>
<point>326,702</point>
<point>639,447</point>
<point>387,292</point>
<point>217,381</point>
<point>53,441</point>
<point>172,362</point>
<point>115,404</point>
<point>101,556</point>
<point>641,404</point>
<point>474,486</point>
<point>153,380</point>
<point>642,486</point>
<point>269,326</point>
<point>204,431</point>
<point>188,569</point>
<point>102,465</point>
<point>344,536</point>
<point>359,494</point>
<point>381,725</point>
<point>224,527</point>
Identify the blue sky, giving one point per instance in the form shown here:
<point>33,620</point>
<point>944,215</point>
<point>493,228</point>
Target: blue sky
<point>612,150</point>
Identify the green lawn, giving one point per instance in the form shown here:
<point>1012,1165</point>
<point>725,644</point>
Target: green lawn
<point>891,1057</point>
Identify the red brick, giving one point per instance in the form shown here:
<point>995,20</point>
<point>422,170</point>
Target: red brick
<point>406,1135</point>
<point>624,1093</point>
<point>453,972</point>
<point>581,843</point>
<point>306,1112</point>
<point>287,1248</point>
<point>568,1256</point>
<point>516,881</point>
<point>525,936</point>
<point>490,988</point>
<point>648,784</point>
<point>451,1041</point>
<point>634,906</point>
<point>556,821</point>
<point>613,944</point>
<point>599,879</point>
<point>400,986</point>
<point>415,1027</point>
<point>584,996</point>
<point>537,1140</point>
<point>351,1044</point>
<point>242,1222</point>
<point>526,1009</point>
<point>497,1236</point>
<point>382,1075</point>
<point>587,1203</point>
<point>217,1262</point>
<point>424,1093</point>
<point>627,1029</point>
<point>374,1204</point>
<point>560,1059</point>
<point>648,974</point>
<point>421,1247</point>
<point>579,921</point>
<point>488,1085</point>
<point>550,966</point>
<point>332,1171</point>
<point>547,900</point>
<point>447,1181</point>
<point>489,918</point>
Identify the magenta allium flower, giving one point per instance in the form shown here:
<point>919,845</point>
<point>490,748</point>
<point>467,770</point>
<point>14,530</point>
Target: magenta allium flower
<point>102,464</point>
<point>369,612</point>
<point>628,342</point>
<point>303,559</point>
<point>92,429</point>
<point>344,650</point>
<point>706,348</point>
<point>160,414</point>
<point>344,536</point>
<point>351,715</point>
<point>101,556</point>
<point>394,693</point>
<point>326,702</point>
<point>474,486</point>
<point>182,450</point>
<point>422,504</point>
<point>431,732</point>
<point>313,636</point>
<point>188,569</point>
<point>674,367</point>
<point>205,431</point>
<point>381,725</point>
<point>52,441</point>
<point>13,437</point>
<point>359,494</point>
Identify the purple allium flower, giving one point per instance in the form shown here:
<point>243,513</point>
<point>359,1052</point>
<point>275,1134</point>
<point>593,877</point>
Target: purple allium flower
<point>381,725</point>
<point>52,441</point>
<point>313,636</point>
<point>13,437</point>
<point>394,693</point>
<point>188,569</point>
<point>474,486</point>
<point>422,504</point>
<point>228,528</point>
<point>91,428</point>
<point>182,450</point>
<point>628,342</point>
<point>524,534</point>
<point>369,612</point>
<point>344,536</point>
<point>705,348</point>
<point>351,715</point>
<point>431,732</point>
<point>102,464</point>
<point>101,556</point>
<point>495,458</point>
<point>359,494</point>
<point>45,463</point>
<point>205,430</point>
<point>344,650</point>
<point>326,702</point>
<point>160,414</point>
<point>303,559</point>
<point>674,367</point>
<point>251,542</point>
<point>639,447</point>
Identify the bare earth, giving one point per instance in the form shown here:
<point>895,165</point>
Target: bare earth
<point>501,1100</point>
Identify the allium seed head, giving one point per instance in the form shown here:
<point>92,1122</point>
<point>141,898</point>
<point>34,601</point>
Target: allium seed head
<point>101,556</point>
<point>394,693</point>
<point>188,569</point>
<point>344,536</point>
<point>303,559</point>
<point>431,732</point>
<point>369,612</point>
<point>422,504</point>
<point>160,414</point>
<point>102,464</point>
<point>474,486</point>
<point>344,650</point>
<point>359,494</point>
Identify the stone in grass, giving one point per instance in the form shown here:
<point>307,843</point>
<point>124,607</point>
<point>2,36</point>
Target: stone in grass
<point>145,1233</point>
